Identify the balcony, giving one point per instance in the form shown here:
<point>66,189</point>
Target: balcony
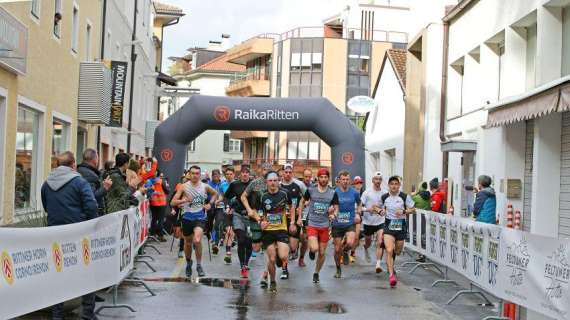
<point>249,86</point>
<point>249,134</point>
<point>251,49</point>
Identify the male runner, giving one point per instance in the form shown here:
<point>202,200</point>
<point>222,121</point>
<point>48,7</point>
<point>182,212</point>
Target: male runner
<point>295,190</point>
<point>240,220</point>
<point>358,184</point>
<point>251,199</point>
<point>192,196</point>
<point>396,205</point>
<point>274,225</point>
<point>308,182</point>
<point>322,207</point>
<point>229,175</point>
<point>372,221</point>
<point>216,213</point>
<point>344,226</point>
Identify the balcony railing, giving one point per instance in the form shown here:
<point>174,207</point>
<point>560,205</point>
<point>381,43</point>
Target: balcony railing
<point>348,33</point>
<point>238,78</point>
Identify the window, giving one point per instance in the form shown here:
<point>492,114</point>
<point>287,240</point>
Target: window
<point>59,141</point>
<point>192,146</point>
<point>234,145</point>
<point>36,8</point>
<point>303,146</point>
<point>27,162</point>
<point>306,68</point>
<point>88,43</point>
<point>358,69</point>
<point>75,29</point>
<point>566,41</point>
<point>57,19</point>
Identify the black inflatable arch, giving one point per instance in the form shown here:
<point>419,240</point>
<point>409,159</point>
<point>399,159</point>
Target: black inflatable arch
<point>202,113</point>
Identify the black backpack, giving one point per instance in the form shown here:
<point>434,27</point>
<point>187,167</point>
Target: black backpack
<point>401,195</point>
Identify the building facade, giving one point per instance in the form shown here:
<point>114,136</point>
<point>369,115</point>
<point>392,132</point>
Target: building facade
<point>338,60</point>
<point>42,47</point>
<point>385,125</point>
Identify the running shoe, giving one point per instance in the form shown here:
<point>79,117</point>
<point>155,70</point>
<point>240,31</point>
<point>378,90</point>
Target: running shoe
<point>244,274</point>
<point>273,287</point>
<point>378,267</point>
<point>215,250</point>
<point>302,262</point>
<point>315,278</point>
<point>345,259</point>
<point>263,281</point>
<point>367,255</point>
<point>189,269</point>
<point>285,274</point>
<point>200,271</point>
<point>351,259</point>
<point>311,255</point>
<point>393,280</point>
<point>228,259</point>
<point>180,254</point>
<point>338,273</point>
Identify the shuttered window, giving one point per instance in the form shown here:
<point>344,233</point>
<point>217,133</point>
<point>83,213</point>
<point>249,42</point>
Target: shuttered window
<point>564,223</point>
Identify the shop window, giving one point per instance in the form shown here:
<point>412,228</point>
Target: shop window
<point>27,162</point>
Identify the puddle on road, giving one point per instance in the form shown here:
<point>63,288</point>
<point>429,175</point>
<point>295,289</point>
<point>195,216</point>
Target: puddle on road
<point>328,307</point>
<point>224,283</point>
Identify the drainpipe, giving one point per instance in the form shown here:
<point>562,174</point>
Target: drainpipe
<point>133,60</point>
<point>443,98</point>
<point>102,56</point>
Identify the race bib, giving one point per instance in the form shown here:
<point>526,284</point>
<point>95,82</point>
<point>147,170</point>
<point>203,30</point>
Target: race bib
<point>274,218</point>
<point>320,208</point>
<point>294,202</point>
<point>396,224</point>
<point>343,217</point>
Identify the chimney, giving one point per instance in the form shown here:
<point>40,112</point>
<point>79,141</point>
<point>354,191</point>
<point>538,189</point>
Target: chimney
<point>226,41</point>
<point>214,45</point>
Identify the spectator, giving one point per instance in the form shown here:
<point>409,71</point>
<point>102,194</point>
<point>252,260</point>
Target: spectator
<point>152,163</point>
<point>422,197</point>
<point>107,167</point>
<point>158,205</point>
<point>88,170</point>
<point>133,178</point>
<point>67,198</point>
<point>120,195</point>
<point>485,201</point>
<point>437,196</point>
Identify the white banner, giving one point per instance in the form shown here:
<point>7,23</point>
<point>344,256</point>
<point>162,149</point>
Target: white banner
<point>41,267</point>
<point>529,270</point>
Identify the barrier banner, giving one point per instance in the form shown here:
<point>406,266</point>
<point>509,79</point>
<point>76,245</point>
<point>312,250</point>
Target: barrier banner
<point>41,267</point>
<point>144,217</point>
<point>537,272</point>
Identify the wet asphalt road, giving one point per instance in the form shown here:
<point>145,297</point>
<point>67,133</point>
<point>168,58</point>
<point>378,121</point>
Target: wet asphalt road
<point>360,294</point>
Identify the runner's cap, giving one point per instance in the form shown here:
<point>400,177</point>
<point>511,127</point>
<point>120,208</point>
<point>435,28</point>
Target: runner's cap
<point>245,168</point>
<point>267,166</point>
<point>288,166</point>
<point>377,174</point>
<point>323,172</point>
<point>357,180</point>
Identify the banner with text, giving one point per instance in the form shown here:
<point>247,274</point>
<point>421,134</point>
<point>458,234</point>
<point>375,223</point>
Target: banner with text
<point>530,270</point>
<point>45,266</point>
<point>118,86</point>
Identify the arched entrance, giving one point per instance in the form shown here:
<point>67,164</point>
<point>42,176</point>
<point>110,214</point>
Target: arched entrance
<point>203,113</point>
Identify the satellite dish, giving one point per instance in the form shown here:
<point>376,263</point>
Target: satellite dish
<point>361,104</point>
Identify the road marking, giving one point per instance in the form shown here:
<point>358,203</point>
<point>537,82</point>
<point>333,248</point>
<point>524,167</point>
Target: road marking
<point>178,268</point>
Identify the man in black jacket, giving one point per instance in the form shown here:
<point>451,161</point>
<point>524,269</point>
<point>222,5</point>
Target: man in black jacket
<point>88,170</point>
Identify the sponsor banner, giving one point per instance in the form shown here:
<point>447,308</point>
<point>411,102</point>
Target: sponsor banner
<point>530,270</point>
<point>75,259</point>
<point>119,79</point>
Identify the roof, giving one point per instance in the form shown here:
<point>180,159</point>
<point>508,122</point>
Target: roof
<point>457,10</point>
<point>398,59</point>
<point>162,8</point>
<point>219,64</point>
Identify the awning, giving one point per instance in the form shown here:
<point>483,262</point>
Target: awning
<point>541,101</point>
<point>458,146</point>
<point>166,79</point>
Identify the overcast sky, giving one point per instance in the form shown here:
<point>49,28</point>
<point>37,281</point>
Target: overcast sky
<point>242,19</point>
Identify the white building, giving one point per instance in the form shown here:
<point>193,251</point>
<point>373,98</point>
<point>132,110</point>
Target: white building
<point>385,124</point>
<point>213,147</point>
<point>117,46</point>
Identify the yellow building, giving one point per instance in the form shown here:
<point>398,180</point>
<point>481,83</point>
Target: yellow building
<point>42,43</point>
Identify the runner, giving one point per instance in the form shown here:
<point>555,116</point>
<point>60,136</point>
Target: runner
<point>308,182</point>
<point>216,213</point>
<point>372,221</point>
<point>344,226</point>
<point>241,221</point>
<point>193,199</point>
<point>251,199</point>
<point>396,205</point>
<point>274,225</point>
<point>358,184</point>
<point>228,239</point>
<point>295,190</point>
<point>322,208</point>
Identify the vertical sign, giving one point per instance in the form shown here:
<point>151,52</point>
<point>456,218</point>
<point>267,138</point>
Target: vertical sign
<point>119,76</point>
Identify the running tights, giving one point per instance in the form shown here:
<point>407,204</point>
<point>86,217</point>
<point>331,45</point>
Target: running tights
<point>244,247</point>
